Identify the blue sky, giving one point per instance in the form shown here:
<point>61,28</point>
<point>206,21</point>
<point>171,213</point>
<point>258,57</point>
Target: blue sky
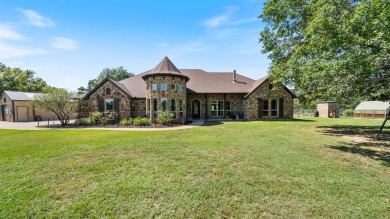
<point>68,42</point>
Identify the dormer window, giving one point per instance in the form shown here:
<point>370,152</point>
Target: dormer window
<point>108,91</point>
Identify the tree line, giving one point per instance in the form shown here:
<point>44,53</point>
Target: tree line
<point>329,49</point>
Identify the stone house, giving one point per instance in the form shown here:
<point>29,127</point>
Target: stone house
<point>190,94</point>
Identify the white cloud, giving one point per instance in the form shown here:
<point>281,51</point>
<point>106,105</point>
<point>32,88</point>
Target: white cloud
<point>64,43</point>
<point>10,51</point>
<point>221,19</point>
<point>244,21</point>
<point>37,20</point>
<point>8,32</point>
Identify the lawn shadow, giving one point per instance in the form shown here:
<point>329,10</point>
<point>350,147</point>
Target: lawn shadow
<point>350,130</point>
<point>379,150</point>
<point>361,140</point>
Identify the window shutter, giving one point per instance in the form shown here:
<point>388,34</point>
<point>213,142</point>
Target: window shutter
<point>116,105</point>
<point>260,108</point>
<point>281,107</point>
<point>100,105</point>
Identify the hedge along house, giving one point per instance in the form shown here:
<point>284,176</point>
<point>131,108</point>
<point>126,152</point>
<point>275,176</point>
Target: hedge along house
<point>372,109</point>
<point>190,94</point>
<point>16,107</point>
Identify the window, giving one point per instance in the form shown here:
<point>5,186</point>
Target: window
<point>216,108</point>
<point>147,105</point>
<point>274,107</point>
<point>173,87</point>
<point>181,107</point>
<point>163,86</point>
<point>173,107</point>
<point>180,87</point>
<point>227,108</point>
<point>109,105</point>
<point>266,107</point>
<point>154,105</point>
<point>163,104</point>
<point>108,91</point>
<point>154,87</point>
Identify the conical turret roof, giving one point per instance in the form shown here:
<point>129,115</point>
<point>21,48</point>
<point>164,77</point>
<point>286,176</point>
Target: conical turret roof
<point>165,67</point>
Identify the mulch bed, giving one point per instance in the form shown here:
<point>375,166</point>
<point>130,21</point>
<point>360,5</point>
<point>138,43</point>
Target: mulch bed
<point>113,126</point>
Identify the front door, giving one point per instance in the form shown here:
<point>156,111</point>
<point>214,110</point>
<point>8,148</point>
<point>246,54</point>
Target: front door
<point>22,114</point>
<point>196,109</point>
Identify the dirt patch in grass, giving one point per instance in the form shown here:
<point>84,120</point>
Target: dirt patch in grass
<point>361,140</point>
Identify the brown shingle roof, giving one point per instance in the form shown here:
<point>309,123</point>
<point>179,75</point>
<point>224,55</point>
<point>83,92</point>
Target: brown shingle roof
<point>216,82</point>
<point>201,82</point>
<point>166,67</point>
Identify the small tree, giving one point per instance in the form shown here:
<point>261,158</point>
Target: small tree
<point>58,101</point>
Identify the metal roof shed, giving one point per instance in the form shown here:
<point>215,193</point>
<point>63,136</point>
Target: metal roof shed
<point>372,109</point>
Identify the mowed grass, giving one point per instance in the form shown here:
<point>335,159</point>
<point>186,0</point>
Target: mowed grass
<point>261,169</point>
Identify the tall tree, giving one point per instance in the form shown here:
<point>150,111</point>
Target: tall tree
<point>59,101</point>
<point>114,73</point>
<point>16,79</point>
<point>329,49</point>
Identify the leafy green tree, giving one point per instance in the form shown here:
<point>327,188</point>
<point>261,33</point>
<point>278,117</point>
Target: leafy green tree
<point>114,73</point>
<point>329,50</point>
<point>16,79</point>
<point>59,101</point>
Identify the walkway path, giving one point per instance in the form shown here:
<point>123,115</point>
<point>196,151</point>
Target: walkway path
<point>33,126</point>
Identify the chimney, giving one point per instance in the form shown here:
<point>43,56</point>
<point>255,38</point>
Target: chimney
<point>234,76</point>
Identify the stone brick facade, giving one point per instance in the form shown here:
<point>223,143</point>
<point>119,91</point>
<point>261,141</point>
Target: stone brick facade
<point>174,92</point>
<point>265,92</point>
<point>236,102</point>
<point>107,90</point>
<point>191,94</point>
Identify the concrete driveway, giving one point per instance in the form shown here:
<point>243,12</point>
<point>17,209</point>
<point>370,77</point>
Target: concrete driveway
<point>34,126</point>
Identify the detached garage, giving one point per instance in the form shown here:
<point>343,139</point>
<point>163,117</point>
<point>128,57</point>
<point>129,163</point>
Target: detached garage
<point>15,107</point>
<point>372,109</point>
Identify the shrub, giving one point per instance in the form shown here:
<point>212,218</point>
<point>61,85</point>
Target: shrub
<point>348,113</point>
<point>140,121</point>
<point>164,117</point>
<point>97,117</point>
<point>125,122</point>
<point>84,121</point>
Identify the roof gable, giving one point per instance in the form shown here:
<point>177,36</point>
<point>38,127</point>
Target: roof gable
<point>120,86</point>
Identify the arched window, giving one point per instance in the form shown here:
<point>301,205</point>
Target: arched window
<point>108,91</point>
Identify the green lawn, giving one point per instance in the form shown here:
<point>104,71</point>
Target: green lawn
<point>292,169</point>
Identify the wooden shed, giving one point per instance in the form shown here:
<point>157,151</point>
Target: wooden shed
<point>372,109</point>
<point>16,107</point>
<point>328,109</point>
